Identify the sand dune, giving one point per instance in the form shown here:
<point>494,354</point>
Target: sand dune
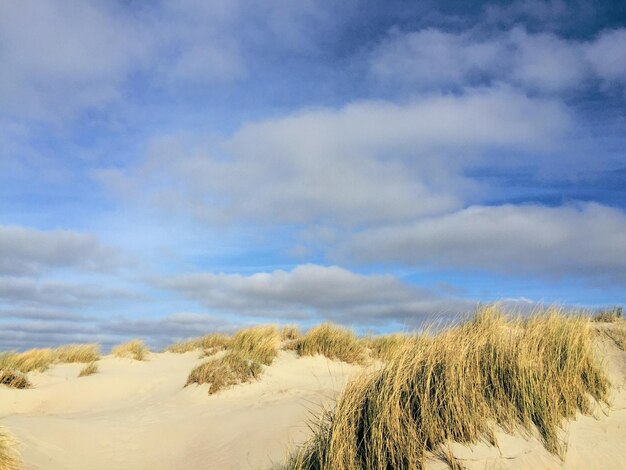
<point>137,415</point>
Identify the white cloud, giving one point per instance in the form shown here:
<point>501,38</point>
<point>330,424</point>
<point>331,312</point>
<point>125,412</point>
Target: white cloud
<point>367,162</point>
<point>587,240</point>
<point>544,62</point>
<point>27,251</point>
<point>315,292</point>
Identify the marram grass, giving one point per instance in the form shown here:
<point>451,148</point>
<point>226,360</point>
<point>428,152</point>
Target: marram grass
<point>133,349</point>
<point>333,342</point>
<point>231,369</point>
<point>259,344</point>
<point>89,369</point>
<point>521,374</point>
<point>9,457</point>
<point>211,343</point>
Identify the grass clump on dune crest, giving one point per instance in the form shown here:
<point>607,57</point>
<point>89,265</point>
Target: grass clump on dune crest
<point>259,344</point>
<point>133,349</point>
<point>289,333</point>
<point>333,342</point>
<point>14,379</point>
<point>609,316</point>
<point>81,353</point>
<point>231,369</point>
<point>89,369</point>
<point>39,359</point>
<point>212,342</point>
<point>522,375</point>
<point>9,458</point>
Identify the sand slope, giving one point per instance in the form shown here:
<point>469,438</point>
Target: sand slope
<point>137,415</point>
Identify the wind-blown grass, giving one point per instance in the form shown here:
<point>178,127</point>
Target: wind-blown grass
<point>259,344</point>
<point>231,369</point>
<point>522,375</point>
<point>289,333</point>
<point>387,346</point>
<point>9,457</point>
<point>133,349</point>
<point>89,369</point>
<point>333,342</point>
<point>81,353</point>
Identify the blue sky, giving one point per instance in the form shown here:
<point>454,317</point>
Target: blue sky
<point>173,168</point>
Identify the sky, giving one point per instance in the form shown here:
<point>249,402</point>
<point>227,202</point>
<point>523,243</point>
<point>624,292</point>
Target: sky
<point>169,169</point>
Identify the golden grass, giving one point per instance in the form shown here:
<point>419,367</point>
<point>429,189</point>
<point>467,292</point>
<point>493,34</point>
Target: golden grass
<point>259,344</point>
<point>28,361</point>
<point>289,333</point>
<point>133,349</point>
<point>13,379</point>
<point>333,342</point>
<point>522,375</point>
<point>89,369</point>
<point>609,316</point>
<point>9,457</point>
<point>231,369</point>
<point>385,347</point>
<point>213,342</point>
<point>81,353</point>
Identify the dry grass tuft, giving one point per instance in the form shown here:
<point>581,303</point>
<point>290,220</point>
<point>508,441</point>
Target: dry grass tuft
<point>523,375</point>
<point>28,361</point>
<point>14,379</point>
<point>231,369</point>
<point>333,342</point>
<point>214,342</point>
<point>289,333</point>
<point>89,369</point>
<point>9,457</point>
<point>81,353</point>
<point>133,349</point>
<point>259,344</point>
<point>609,316</point>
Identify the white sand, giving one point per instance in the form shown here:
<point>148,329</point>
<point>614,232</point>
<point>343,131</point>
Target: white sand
<point>137,415</point>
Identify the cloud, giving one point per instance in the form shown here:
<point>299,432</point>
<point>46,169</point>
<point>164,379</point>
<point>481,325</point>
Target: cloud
<point>545,62</point>
<point>22,291</point>
<point>367,162</point>
<point>315,292</point>
<point>29,251</point>
<point>587,240</point>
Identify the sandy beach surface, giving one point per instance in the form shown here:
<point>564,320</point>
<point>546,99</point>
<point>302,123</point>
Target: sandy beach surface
<point>137,415</point>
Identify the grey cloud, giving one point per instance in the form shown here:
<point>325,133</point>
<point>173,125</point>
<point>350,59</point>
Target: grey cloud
<point>368,162</point>
<point>313,292</point>
<point>41,314</point>
<point>22,291</point>
<point>28,251</point>
<point>587,240</point>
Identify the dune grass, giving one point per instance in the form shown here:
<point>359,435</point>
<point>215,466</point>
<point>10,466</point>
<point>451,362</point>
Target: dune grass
<point>609,316</point>
<point>80,353</point>
<point>89,369</point>
<point>9,457</point>
<point>211,343</point>
<point>133,349</point>
<point>524,375</point>
<point>231,369</point>
<point>14,379</point>
<point>258,344</point>
<point>387,346</point>
<point>289,333</point>
<point>333,342</point>
<point>39,359</point>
